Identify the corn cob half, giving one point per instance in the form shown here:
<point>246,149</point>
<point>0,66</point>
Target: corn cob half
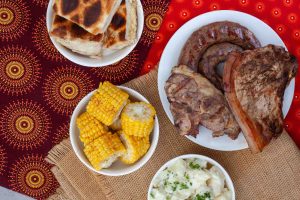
<point>137,119</point>
<point>107,103</point>
<point>116,126</point>
<point>104,150</point>
<point>136,147</point>
<point>90,128</point>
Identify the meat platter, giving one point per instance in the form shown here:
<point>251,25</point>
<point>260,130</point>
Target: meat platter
<point>219,33</point>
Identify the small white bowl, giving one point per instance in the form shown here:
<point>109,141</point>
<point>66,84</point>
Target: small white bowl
<point>209,160</point>
<point>118,168</point>
<point>93,62</point>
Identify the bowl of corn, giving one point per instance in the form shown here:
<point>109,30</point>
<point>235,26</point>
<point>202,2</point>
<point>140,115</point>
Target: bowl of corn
<point>114,130</point>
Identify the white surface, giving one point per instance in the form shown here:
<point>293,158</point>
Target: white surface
<point>264,33</point>
<point>6,194</point>
<point>118,168</point>
<point>209,160</point>
<point>93,62</point>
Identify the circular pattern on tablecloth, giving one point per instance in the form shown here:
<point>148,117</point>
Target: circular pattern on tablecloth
<point>24,124</point>
<point>153,21</point>
<point>42,42</point>
<point>64,87</point>
<point>3,160</point>
<point>42,3</point>
<point>20,71</point>
<point>121,71</point>
<point>31,175</point>
<point>61,133</point>
<point>14,19</point>
<point>154,12</point>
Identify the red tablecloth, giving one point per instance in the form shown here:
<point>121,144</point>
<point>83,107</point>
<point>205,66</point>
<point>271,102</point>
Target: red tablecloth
<point>39,88</point>
<point>282,15</point>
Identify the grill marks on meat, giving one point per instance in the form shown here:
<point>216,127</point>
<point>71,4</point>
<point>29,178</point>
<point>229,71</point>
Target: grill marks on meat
<point>194,101</point>
<point>213,57</point>
<point>254,83</point>
<point>215,33</point>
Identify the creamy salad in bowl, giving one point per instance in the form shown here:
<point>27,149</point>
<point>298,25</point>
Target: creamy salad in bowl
<point>191,177</point>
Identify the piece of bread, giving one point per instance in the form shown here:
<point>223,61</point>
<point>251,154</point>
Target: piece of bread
<point>92,15</point>
<point>76,38</point>
<point>123,28</point>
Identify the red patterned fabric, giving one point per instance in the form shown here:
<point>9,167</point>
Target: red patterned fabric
<point>282,15</point>
<point>39,89</point>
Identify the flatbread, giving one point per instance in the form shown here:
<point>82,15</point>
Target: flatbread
<point>75,37</point>
<point>122,30</point>
<point>92,15</point>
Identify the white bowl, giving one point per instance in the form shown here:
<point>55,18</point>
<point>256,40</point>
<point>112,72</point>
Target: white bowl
<point>209,160</point>
<point>93,62</point>
<point>118,168</point>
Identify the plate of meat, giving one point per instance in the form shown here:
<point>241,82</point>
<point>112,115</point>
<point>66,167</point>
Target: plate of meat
<point>226,81</point>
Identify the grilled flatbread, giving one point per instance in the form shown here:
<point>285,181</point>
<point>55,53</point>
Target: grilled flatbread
<point>122,30</point>
<point>92,15</point>
<point>75,37</point>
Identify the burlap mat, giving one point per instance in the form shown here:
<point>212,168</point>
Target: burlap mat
<point>273,174</point>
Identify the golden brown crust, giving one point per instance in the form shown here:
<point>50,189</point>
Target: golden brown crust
<point>64,28</point>
<point>122,30</point>
<point>92,15</point>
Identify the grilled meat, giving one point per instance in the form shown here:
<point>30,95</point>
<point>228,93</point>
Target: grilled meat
<point>194,101</point>
<point>215,33</point>
<point>254,83</point>
<point>213,57</point>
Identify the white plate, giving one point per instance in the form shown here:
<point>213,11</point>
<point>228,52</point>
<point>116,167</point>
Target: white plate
<point>188,156</point>
<point>92,62</point>
<point>118,168</point>
<point>264,33</point>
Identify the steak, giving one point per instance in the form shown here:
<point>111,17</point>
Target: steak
<point>254,83</point>
<point>195,101</point>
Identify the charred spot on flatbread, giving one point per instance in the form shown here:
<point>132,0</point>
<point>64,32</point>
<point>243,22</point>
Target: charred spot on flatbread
<point>60,31</point>
<point>58,20</point>
<point>118,21</point>
<point>77,31</point>
<point>92,13</point>
<point>68,6</point>
<point>122,35</point>
<point>75,18</point>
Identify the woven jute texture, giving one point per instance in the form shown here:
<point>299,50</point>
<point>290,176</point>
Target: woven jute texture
<point>273,174</point>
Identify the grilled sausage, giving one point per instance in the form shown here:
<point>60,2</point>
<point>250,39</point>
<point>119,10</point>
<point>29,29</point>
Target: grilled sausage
<point>214,56</point>
<point>215,33</point>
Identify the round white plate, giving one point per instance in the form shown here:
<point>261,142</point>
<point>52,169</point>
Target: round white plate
<point>264,33</point>
<point>104,60</point>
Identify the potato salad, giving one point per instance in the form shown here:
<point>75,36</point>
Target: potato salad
<point>191,179</point>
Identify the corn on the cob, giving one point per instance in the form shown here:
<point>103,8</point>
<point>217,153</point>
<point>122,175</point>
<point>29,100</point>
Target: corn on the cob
<point>137,119</point>
<point>104,150</point>
<point>107,103</point>
<point>90,128</point>
<point>136,147</point>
